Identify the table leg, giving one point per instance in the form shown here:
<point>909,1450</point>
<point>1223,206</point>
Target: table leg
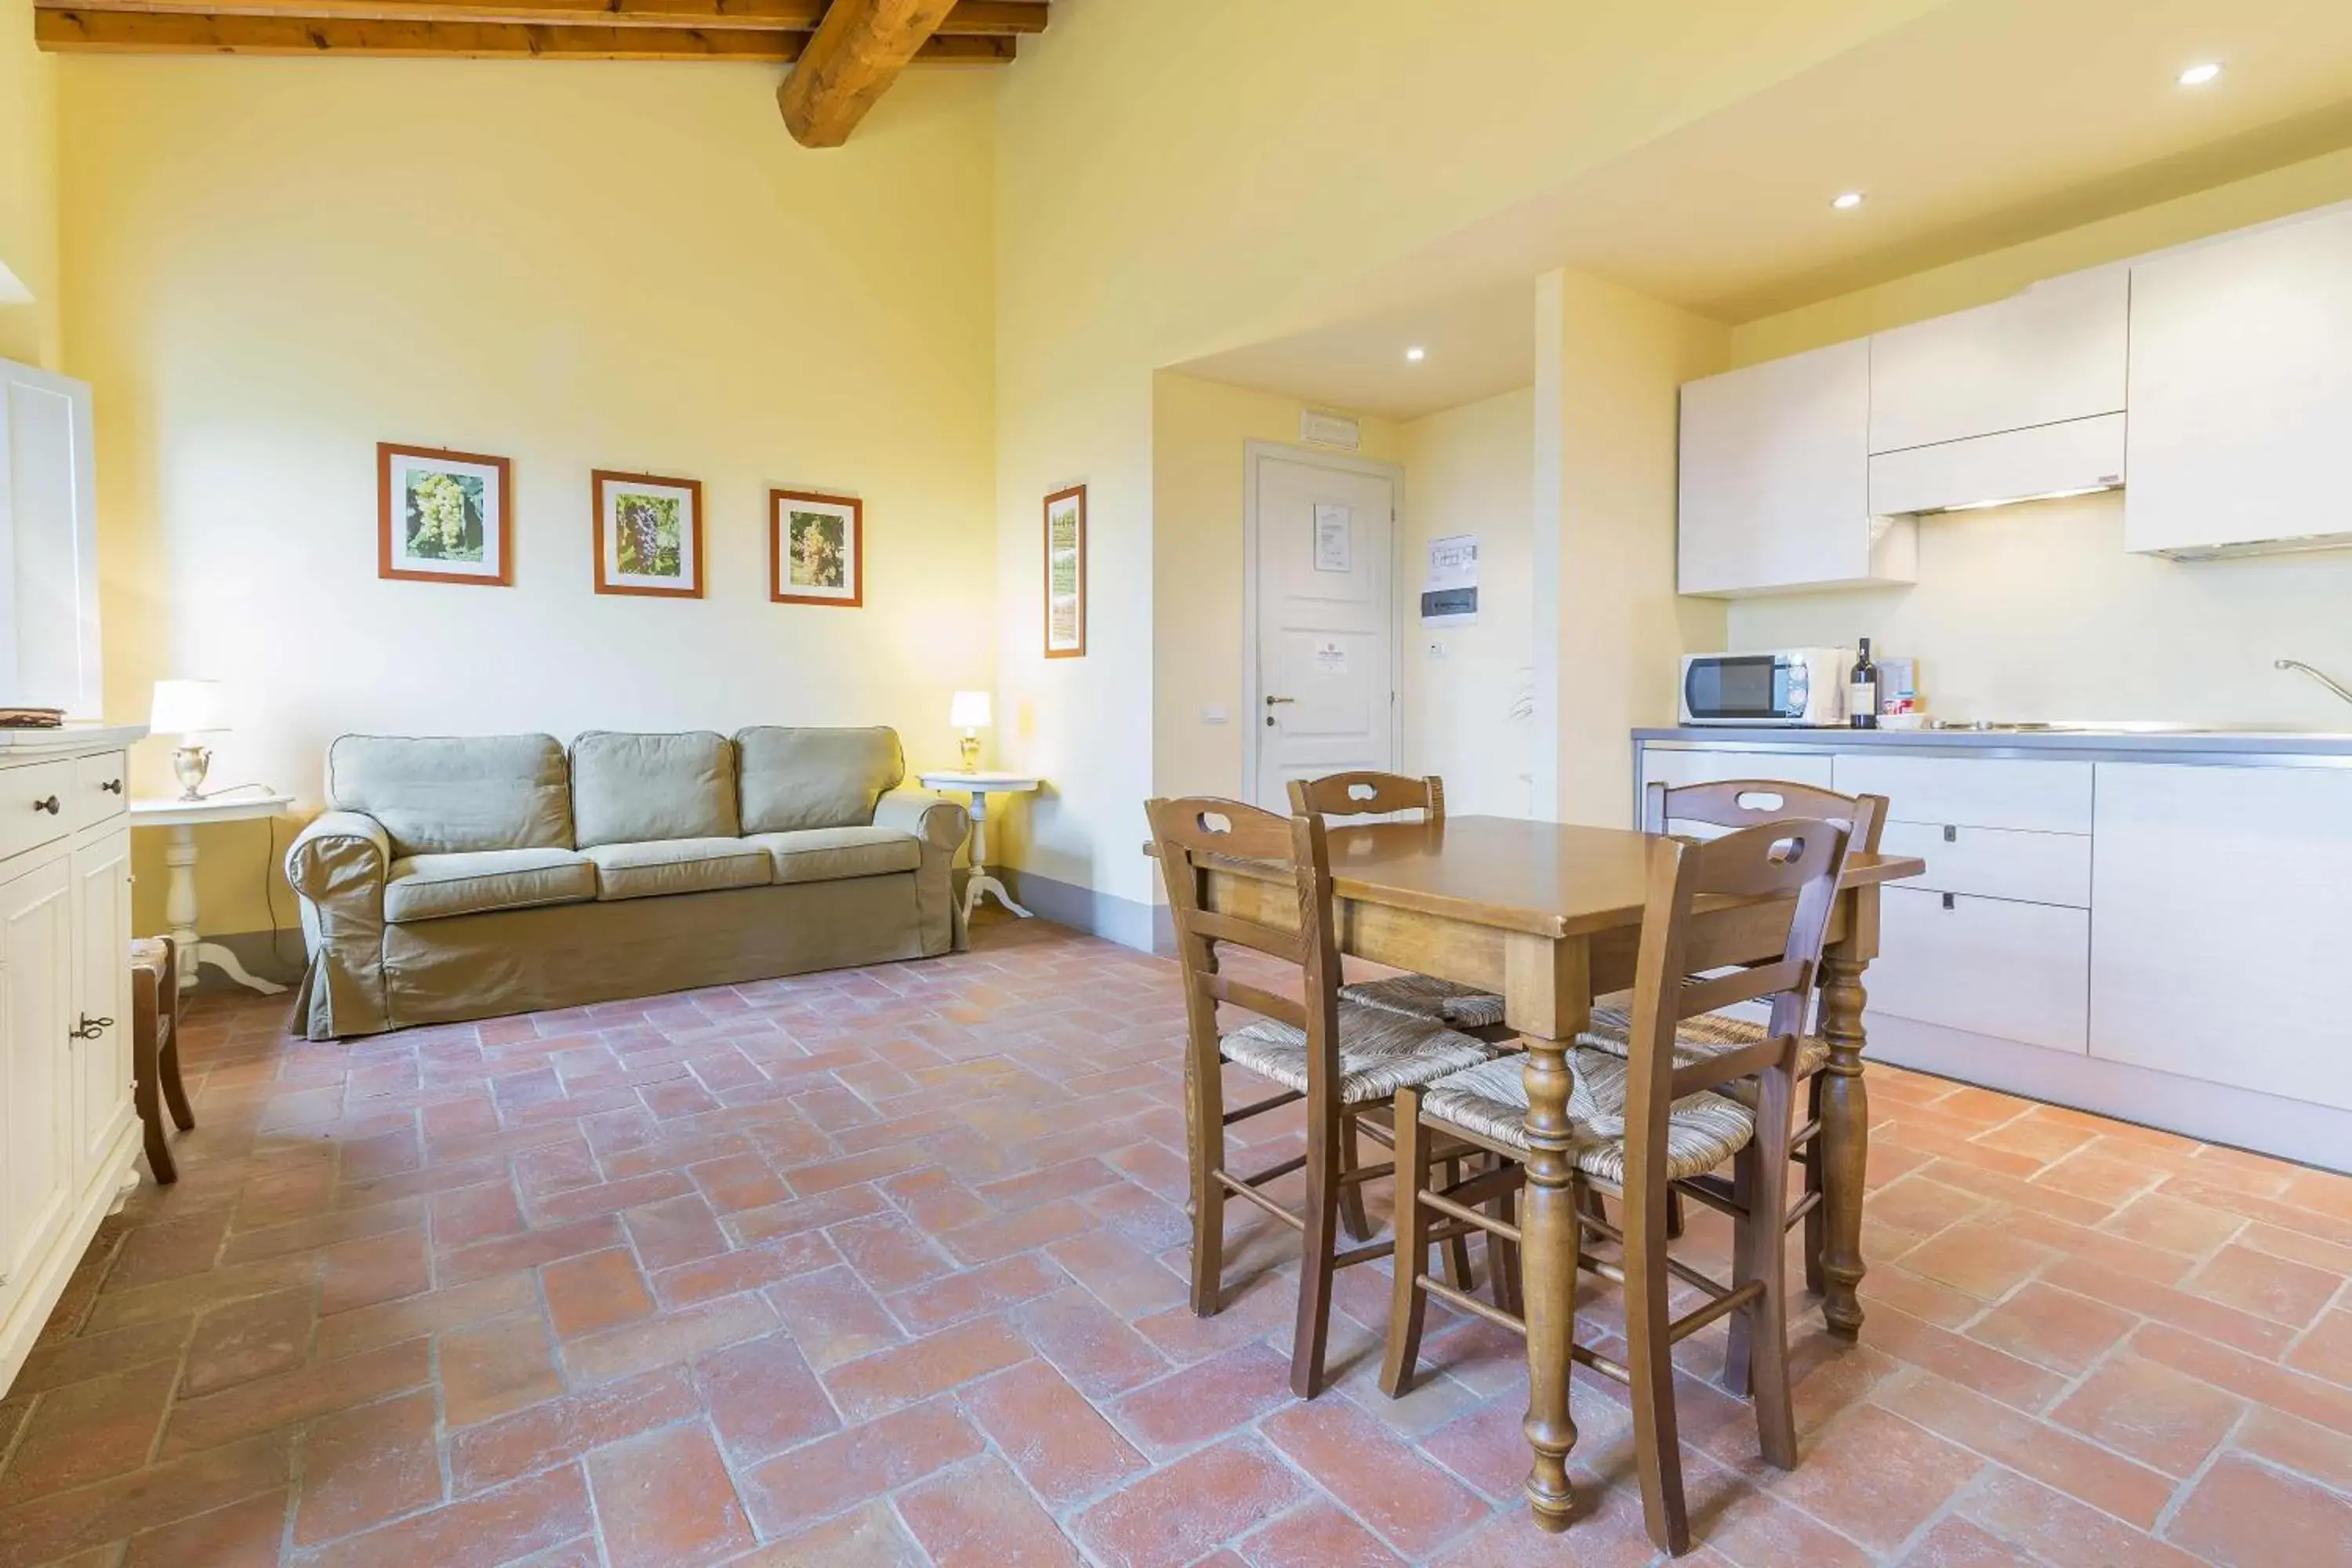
<point>1548,996</point>
<point>1548,1242</point>
<point>1845,1138</point>
<point>180,898</point>
<point>980,881</point>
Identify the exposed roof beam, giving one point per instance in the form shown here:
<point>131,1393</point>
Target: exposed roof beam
<point>155,32</point>
<point>968,17</point>
<point>857,53</point>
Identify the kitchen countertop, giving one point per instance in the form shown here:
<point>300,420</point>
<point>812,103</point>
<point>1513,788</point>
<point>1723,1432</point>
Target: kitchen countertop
<point>2128,740</point>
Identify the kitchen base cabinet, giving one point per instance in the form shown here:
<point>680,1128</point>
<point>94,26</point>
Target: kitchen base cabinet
<point>2224,901</point>
<point>67,1131</point>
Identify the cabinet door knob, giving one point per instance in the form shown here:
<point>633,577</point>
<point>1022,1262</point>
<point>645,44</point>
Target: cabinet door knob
<point>112,786</point>
<point>1951,834</point>
<point>90,1028</point>
<point>52,806</point>
<point>1951,900</point>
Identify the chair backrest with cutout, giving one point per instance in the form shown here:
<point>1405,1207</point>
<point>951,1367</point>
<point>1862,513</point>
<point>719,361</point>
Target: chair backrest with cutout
<point>1368,795</point>
<point>1746,803</point>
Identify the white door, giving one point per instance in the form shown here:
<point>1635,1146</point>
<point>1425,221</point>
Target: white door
<point>1324,691</point>
<point>101,1051</point>
<point>36,1145</point>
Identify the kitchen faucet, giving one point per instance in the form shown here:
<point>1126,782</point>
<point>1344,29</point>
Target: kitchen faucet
<point>2315,675</point>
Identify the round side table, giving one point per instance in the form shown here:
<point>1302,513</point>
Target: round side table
<point>980,786</point>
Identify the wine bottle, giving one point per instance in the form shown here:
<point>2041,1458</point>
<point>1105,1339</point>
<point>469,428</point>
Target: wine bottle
<point>1862,692</point>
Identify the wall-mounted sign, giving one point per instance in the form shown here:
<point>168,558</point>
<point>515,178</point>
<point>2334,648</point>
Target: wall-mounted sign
<point>1449,588</point>
<point>1335,534</point>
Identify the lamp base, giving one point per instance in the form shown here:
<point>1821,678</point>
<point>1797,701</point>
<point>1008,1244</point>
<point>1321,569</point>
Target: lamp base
<point>189,765</point>
<point>970,743</point>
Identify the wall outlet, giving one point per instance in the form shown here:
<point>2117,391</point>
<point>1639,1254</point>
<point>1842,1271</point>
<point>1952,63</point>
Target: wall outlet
<point>1212,714</point>
<point>1437,648</point>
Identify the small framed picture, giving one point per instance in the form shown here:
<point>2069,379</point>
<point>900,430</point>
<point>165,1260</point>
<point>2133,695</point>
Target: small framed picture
<point>1066,574</point>
<point>816,549</point>
<point>648,535</point>
<point>443,516</point>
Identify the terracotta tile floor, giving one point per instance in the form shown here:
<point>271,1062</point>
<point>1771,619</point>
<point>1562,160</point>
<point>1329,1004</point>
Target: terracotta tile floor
<point>885,1266</point>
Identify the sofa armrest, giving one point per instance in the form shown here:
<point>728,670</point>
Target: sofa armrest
<point>939,822</point>
<point>340,862</point>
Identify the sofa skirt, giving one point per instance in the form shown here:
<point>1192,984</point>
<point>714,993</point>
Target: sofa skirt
<point>567,955</point>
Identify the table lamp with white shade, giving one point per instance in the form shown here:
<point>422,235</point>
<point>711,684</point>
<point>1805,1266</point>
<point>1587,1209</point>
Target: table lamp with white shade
<point>970,712</point>
<point>188,709</point>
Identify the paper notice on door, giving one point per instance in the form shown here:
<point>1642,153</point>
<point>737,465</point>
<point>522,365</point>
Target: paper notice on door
<point>1449,588</point>
<point>1330,657</point>
<point>1335,537</point>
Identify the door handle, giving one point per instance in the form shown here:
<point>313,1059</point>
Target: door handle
<point>1271,701</point>
<point>52,806</point>
<point>90,1028</point>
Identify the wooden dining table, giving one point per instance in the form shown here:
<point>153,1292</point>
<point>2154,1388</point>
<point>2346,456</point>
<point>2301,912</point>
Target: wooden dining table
<point>1550,916</point>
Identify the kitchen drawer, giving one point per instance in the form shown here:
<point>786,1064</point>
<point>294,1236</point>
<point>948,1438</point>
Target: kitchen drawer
<point>102,788</point>
<point>24,793</point>
<point>1973,792</point>
<point>1675,769</point>
<point>1990,966</point>
<point>1997,862</point>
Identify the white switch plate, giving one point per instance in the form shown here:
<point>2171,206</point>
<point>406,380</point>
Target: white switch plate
<point>1213,713</point>
<point>1437,648</point>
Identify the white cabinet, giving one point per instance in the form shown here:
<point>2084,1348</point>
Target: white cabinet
<point>101,1050</point>
<point>1775,479</point>
<point>1973,792</point>
<point>1992,470</point>
<point>48,544</point>
<point>36,1156</point>
<point>68,1129</point>
<point>1999,967</point>
<point>2241,390</point>
<point>2223,900</point>
<point>1676,768</point>
<point>2054,353</point>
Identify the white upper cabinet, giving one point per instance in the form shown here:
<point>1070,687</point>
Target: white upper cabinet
<point>2055,353</point>
<point>1775,479</point>
<point>2242,391</point>
<point>48,544</point>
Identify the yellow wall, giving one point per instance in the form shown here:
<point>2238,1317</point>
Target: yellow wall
<point>1174,179</point>
<point>1200,430</point>
<point>28,188</point>
<point>2036,612</point>
<point>1468,712</point>
<point>277,264</point>
<point>1610,367</point>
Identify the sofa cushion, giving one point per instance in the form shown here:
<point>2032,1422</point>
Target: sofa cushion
<point>473,882</point>
<point>797,778</point>
<point>652,867</point>
<point>626,789</point>
<point>436,795</point>
<point>830,854</point>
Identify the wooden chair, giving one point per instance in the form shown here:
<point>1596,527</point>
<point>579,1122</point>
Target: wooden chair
<point>1456,1006</point>
<point>155,1050</point>
<point>1463,1007</point>
<point>1337,1057</point>
<point>1640,1123</point>
<point>1747,802</point>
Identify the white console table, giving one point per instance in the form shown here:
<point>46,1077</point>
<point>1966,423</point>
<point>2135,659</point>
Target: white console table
<point>980,786</point>
<point>184,817</point>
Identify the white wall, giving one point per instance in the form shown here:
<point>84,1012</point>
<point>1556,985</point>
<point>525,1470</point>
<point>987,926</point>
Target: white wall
<point>2036,612</point>
<point>1468,714</point>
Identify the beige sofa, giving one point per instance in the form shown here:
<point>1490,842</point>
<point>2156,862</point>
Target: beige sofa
<point>464,878</point>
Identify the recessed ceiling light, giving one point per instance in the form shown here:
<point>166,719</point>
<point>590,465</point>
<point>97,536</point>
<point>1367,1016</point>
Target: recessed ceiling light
<point>2198,75</point>
<point>1848,201</point>
<point>1416,355</point>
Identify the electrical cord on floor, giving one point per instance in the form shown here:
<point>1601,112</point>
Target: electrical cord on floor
<point>269,890</point>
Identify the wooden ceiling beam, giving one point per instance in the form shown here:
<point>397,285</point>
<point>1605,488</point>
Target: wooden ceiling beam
<point>968,17</point>
<point>854,54</point>
<point>66,31</point>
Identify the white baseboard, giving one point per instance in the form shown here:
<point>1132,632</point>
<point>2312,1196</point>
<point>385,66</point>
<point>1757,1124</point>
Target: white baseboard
<point>2210,1112</point>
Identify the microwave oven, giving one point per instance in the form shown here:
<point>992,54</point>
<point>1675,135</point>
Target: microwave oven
<point>1793,687</point>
